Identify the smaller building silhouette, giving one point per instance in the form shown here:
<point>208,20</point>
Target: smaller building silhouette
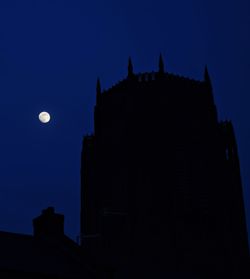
<point>48,254</point>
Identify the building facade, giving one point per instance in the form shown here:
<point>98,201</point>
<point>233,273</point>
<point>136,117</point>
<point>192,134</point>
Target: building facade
<point>161,193</point>
<point>47,254</point>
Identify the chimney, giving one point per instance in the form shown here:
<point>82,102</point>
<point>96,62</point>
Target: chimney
<point>49,224</point>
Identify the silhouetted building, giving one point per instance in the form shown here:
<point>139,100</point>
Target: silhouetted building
<point>49,254</point>
<point>161,186</point>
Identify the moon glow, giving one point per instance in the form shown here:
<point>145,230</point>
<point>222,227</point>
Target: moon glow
<point>44,117</point>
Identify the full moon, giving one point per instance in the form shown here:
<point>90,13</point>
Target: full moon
<point>44,117</point>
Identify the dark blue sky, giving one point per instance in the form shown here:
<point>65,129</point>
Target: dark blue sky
<point>51,52</point>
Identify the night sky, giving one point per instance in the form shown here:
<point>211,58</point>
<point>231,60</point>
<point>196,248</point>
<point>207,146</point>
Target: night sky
<point>51,53</point>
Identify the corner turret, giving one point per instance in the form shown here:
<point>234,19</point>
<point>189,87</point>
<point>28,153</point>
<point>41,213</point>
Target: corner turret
<point>161,65</point>
<point>98,91</point>
<point>207,79</point>
<point>130,68</point>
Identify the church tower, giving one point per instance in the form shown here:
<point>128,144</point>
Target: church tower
<point>161,187</point>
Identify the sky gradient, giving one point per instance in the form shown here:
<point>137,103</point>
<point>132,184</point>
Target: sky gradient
<point>51,53</point>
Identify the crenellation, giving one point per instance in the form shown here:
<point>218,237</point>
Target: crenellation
<point>152,77</point>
